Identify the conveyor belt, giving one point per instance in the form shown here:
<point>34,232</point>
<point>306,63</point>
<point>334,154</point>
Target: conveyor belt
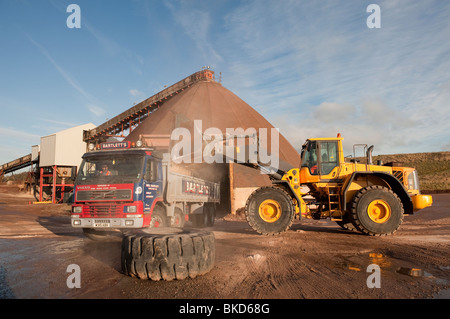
<point>16,164</point>
<point>129,119</point>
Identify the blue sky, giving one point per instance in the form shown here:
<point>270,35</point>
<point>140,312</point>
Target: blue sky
<point>312,68</point>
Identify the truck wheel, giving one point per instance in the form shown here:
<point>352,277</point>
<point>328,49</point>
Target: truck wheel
<point>209,214</point>
<point>206,218</point>
<point>197,220</point>
<point>159,218</point>
<point>167,254</point>
<point>269,210</point>
<point>376,210</point>
<point>178,219</point>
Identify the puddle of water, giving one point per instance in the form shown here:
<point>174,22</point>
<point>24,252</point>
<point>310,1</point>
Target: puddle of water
<point>5,290</point>
<point>385,263</point>
<point>443,294</point>
<point>380,260</point>
<point>354,268</point>
<point>412,272</point>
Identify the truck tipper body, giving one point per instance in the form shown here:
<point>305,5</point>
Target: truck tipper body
<point>121,187</point>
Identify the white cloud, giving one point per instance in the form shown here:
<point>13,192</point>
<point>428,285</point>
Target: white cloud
<point>318,69</point>
<point>96,110</point>
<point>70,80</point>
<point>333,112</point>
<point>196,24</point>
<point>112,48</point>
<point>64,74</point>
<point>8,132</point>
<point>59,123</point>
<point>16,143</point>
<point>48,126</point>
<point>136,93</point>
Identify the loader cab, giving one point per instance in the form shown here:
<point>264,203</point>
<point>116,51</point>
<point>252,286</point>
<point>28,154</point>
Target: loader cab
<point>320,159</point>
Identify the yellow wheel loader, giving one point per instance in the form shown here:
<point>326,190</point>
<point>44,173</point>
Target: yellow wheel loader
<point>353,192</point>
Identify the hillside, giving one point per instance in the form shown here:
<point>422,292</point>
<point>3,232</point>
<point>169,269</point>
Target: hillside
<point>433,168</point>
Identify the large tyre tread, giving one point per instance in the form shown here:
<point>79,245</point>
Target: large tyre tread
<point>168,257</point>
<point>354,215</point>
<point>254,224</point>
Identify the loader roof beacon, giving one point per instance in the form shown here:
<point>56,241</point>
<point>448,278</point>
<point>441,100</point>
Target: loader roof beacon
<point>353,192</point>
<point>123,185</point>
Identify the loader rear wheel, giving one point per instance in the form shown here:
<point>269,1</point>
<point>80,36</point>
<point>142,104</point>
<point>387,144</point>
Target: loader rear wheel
<point>269,210</point>
<point>167,254</point>
<point>376,210</point>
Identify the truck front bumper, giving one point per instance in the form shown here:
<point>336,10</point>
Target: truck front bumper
<point>135,222</point>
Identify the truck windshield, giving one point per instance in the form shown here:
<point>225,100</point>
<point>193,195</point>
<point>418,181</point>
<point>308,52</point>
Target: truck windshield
<point>110,169</point>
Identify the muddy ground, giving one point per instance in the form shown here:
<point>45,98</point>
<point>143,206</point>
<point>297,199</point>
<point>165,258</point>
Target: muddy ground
<point>313,260</point>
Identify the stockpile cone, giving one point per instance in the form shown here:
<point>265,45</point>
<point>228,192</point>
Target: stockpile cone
<point>216,107</point>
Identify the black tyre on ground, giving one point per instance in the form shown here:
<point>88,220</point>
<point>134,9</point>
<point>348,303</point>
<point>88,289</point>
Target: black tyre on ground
<point>269,210</point>
<point>346,223</point>
<point>167,254</point>
<point>376,210</point>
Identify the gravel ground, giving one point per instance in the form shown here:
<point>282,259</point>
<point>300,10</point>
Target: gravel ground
<point>313,260</point>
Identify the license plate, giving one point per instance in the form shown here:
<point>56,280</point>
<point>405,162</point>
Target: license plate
<point>102,225</point>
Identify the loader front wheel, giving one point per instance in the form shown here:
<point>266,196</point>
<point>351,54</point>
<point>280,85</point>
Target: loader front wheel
<point>269,210</point>
<point>376,210</point>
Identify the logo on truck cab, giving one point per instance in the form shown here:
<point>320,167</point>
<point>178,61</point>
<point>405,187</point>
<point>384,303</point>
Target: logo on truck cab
<point>115,145</point>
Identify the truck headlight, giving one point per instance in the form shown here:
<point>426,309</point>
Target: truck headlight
<point>77,209</point>
<point>77,222</point>
<point>413,180</point>
<point>131,209</point>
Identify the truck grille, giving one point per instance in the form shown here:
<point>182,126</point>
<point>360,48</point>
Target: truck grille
<point>102,211</point>
<point>101,195</point>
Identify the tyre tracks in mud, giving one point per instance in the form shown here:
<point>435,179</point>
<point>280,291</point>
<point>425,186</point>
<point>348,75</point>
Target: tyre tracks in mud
<point>326,262</point>
<point>312,260</point>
